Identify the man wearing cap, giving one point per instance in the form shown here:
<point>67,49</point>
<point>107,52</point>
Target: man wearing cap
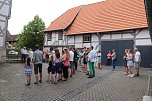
<point>92,60</point>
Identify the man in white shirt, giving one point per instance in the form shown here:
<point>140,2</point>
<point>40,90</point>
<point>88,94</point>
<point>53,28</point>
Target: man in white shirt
<point>23,53</point>
<point>92,60</point>
<point>71,61</point>
<point>137,60</point>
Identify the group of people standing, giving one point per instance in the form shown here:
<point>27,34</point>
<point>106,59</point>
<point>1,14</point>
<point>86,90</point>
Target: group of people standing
<point>66,64</point>
<point>91,58</point>
<point>60,66</point>
<point>132,59</point>
<point>112,58</point>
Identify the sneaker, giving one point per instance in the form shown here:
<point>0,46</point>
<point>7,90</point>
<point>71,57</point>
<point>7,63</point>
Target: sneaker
<point>113,69</point>
<point>47,80</point>
<point>36,83</point>
<point>87,74</point>
<point>132,76</point>
<point>137,75</point>
<point>40,81</point>
<point>89,77</point>
<point>27,84</point>
<point>128,75</point>
<point>93,75</point>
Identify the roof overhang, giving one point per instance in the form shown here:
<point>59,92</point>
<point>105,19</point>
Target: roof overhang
<point>148,7</point>
<point>110,31</point>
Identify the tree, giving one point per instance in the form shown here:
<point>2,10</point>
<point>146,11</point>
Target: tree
<point>32,34</point>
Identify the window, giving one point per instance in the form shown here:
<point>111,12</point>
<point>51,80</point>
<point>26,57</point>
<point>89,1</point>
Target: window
<point>49,36</point>
<point>87,38</point>
<point>60,36</point>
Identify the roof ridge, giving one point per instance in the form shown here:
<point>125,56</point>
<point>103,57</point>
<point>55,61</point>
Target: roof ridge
<point>75,16</point>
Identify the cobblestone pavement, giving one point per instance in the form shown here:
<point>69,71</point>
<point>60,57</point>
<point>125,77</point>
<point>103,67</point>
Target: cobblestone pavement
<point>106,86</point>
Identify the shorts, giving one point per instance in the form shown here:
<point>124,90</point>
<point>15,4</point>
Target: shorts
<point>84,61</point>
<point>55,69</point>
<point>71,65</point>
<point>125,63</point>
<point>49,69</point>
<point>130,63</point>
<point>137,64</point>
<point>38,67</point>
<point>61,68</point>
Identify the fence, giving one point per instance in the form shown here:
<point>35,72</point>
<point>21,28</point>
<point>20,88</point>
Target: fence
<point>13,56</point>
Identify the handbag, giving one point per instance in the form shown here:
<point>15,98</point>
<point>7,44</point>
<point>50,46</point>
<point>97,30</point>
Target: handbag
<point>67,63</point>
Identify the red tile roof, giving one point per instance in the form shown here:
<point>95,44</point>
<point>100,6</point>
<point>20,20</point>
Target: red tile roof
<point>11,38</point>
<point>64,20</point>
<point>109,15</point>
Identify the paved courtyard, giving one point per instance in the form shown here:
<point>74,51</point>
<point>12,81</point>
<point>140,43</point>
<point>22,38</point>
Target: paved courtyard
<point>106,86</point>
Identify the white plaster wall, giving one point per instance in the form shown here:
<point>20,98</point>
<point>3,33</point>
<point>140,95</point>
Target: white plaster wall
<point>45,39</point>
<point>143,42</point>
<point>106,36</point>
<point>53,41</point>
<point>49,43</point>
<point>86,45</point>
<point>126,36</point>
<point>78,38</point>
<point>143,34</point>
<point>71,44</point>
<point>71,40</point>
<point>2,18</point>
<point>94,37</point>
<point>5,9</point>
<point>1,41</point>
<point>53,35</point>
<point>56,36</point>
<point>78,45</point>
<point>60,42</point>
<point>2,24</point>
<point>116,36</point>
<point>60,50</point>
<point>46,48</point>
<point>94,44</point>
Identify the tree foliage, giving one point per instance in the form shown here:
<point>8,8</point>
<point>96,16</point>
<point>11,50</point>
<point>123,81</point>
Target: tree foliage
<point>32,34</point>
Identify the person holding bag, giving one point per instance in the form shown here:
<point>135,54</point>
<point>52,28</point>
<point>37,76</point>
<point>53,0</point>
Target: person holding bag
<point>66,63</point>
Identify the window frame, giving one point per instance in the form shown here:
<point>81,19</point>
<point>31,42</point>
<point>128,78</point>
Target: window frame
<point>60,36</point>
<point>88,39</point>
<point>49,36</point>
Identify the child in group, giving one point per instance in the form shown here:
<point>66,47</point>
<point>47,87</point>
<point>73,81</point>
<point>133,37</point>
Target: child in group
<point>99,60</point>
<point>28,70</point>
<point>50,69</point>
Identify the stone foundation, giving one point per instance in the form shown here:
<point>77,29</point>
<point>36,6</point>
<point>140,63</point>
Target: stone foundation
<point>2,55</point>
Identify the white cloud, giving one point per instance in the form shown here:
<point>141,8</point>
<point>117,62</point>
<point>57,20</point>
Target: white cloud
<point>23,11</point>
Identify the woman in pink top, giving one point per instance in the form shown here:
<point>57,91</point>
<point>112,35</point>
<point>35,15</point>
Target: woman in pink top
<point>108,58</point>
<point>66,63</point>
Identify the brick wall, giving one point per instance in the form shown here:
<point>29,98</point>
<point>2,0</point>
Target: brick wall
<point>2,55</point>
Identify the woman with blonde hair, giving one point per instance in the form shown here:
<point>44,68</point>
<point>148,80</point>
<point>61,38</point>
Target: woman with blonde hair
<point>130,63</point>
<point>125,62</point>
<point>66,63</point>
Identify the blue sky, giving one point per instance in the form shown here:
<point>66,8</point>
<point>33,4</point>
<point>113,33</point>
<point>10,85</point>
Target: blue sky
<point>23,11</point>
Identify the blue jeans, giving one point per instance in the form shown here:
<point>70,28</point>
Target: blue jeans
<point>114,63</point>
